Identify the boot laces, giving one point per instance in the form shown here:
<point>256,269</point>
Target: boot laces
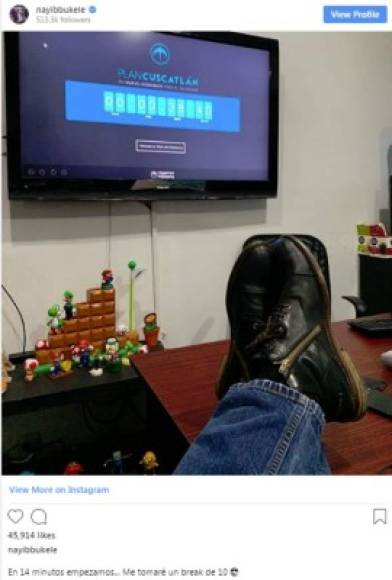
<point>271,329</point>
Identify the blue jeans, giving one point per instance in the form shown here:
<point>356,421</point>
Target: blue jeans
<point>260,427</point>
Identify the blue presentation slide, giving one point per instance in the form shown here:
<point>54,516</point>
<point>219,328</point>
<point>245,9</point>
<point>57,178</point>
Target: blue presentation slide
<point>103,103</point>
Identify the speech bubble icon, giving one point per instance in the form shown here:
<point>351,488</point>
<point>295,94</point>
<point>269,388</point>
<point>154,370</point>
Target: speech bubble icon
<point>379,516</point>
<point>39,517</point>
<point>15,516</point>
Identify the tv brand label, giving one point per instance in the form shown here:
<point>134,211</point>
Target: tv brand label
<point>100,103</point>
<point>163,175</point>
<point>355,14</point>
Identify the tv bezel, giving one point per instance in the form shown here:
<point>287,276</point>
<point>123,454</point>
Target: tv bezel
<point>22,188</point>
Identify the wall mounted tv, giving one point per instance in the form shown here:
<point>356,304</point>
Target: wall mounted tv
<point>141,115</point>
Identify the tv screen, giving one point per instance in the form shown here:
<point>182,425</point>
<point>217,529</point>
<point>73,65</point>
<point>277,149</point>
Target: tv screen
<point>141,115</point>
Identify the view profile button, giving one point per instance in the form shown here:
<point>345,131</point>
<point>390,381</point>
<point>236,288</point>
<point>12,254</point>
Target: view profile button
<point>355,14</point>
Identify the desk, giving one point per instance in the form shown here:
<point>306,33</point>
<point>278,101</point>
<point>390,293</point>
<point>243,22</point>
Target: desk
<point>23,397</point>
<point>182,379</point>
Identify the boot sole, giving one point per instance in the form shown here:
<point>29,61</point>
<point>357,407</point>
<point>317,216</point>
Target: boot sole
<point>357,389</point>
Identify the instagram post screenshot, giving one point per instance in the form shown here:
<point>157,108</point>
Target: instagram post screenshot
<point>196,290</point>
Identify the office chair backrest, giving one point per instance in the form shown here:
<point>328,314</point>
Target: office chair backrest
<point>315,245</point>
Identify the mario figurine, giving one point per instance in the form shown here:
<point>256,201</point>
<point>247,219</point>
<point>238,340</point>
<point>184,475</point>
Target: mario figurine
<point>107,279</point>
<point>56,369</point>
<point>85,350</point>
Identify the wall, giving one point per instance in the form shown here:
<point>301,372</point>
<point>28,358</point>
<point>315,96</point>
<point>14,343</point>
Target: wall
<point>336,126</point>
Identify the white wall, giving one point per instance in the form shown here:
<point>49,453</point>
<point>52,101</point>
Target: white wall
<point>336,126</point>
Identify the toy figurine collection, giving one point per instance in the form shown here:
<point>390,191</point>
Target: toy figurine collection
<point>86,336</point>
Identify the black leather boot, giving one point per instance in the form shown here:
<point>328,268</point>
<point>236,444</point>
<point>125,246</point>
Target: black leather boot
<point>249,301</point>
<point>297,344</point>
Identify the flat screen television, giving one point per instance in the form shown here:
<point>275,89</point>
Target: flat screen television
<point>141,115</point>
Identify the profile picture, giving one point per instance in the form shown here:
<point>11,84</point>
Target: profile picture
<point>19,14</point>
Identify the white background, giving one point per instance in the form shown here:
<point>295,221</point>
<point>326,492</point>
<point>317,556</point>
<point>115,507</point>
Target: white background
<point>313,528</point>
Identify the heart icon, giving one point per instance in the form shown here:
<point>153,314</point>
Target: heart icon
<point>15,515</point>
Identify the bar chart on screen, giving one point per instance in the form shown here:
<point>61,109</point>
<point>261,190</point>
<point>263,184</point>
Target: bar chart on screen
<point>100,103</point>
